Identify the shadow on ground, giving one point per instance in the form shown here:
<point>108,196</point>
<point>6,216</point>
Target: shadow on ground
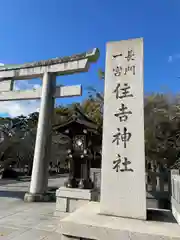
<point>12,194</point>
<point>20,194</point>
<point>28,178</point>
<point>160,215</point>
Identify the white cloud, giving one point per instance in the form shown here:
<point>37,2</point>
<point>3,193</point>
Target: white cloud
<point>23,85</point>
<point>24,107</point>
<point>16,108</point>
<point>171,58</point>
<point>1,64</point>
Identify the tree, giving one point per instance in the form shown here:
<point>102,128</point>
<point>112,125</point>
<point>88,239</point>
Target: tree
<point>162,121</point>
<point>92,108</point>
<point>18,141</point>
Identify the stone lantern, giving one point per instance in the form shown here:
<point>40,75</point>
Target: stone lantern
<point>83,133</point>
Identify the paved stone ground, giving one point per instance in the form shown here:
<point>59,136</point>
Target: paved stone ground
<point>26,221</point>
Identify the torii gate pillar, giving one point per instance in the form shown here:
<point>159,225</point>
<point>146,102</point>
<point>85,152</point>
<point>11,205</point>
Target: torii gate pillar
<point>39,180</point>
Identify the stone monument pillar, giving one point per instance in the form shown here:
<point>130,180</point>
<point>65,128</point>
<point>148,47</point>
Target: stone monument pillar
<point>123,191</point>
<point>121,213</point>
<point>39,178</point>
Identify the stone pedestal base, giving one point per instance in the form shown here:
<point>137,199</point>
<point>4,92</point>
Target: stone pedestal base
<point>70,199</point>
<point>87,223</point>
<point>29,197</point>
<point>175,209</point>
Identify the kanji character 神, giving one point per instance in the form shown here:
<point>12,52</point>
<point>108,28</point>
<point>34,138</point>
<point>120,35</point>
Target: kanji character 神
<point>124,137</point>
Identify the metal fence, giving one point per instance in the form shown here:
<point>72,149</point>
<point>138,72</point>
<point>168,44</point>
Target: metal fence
<point>158,184</point>
<point>158,187</point>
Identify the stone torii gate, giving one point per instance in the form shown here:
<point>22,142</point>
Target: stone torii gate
<point>47,71</point>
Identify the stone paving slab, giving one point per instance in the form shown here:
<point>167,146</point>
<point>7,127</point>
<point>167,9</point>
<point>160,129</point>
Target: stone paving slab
<point>7,233</point>
<point>27,221</point>
<point>32,234</point>
<point>53,236</point>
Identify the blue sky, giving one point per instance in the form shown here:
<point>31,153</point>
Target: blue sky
<point>41,29</point>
